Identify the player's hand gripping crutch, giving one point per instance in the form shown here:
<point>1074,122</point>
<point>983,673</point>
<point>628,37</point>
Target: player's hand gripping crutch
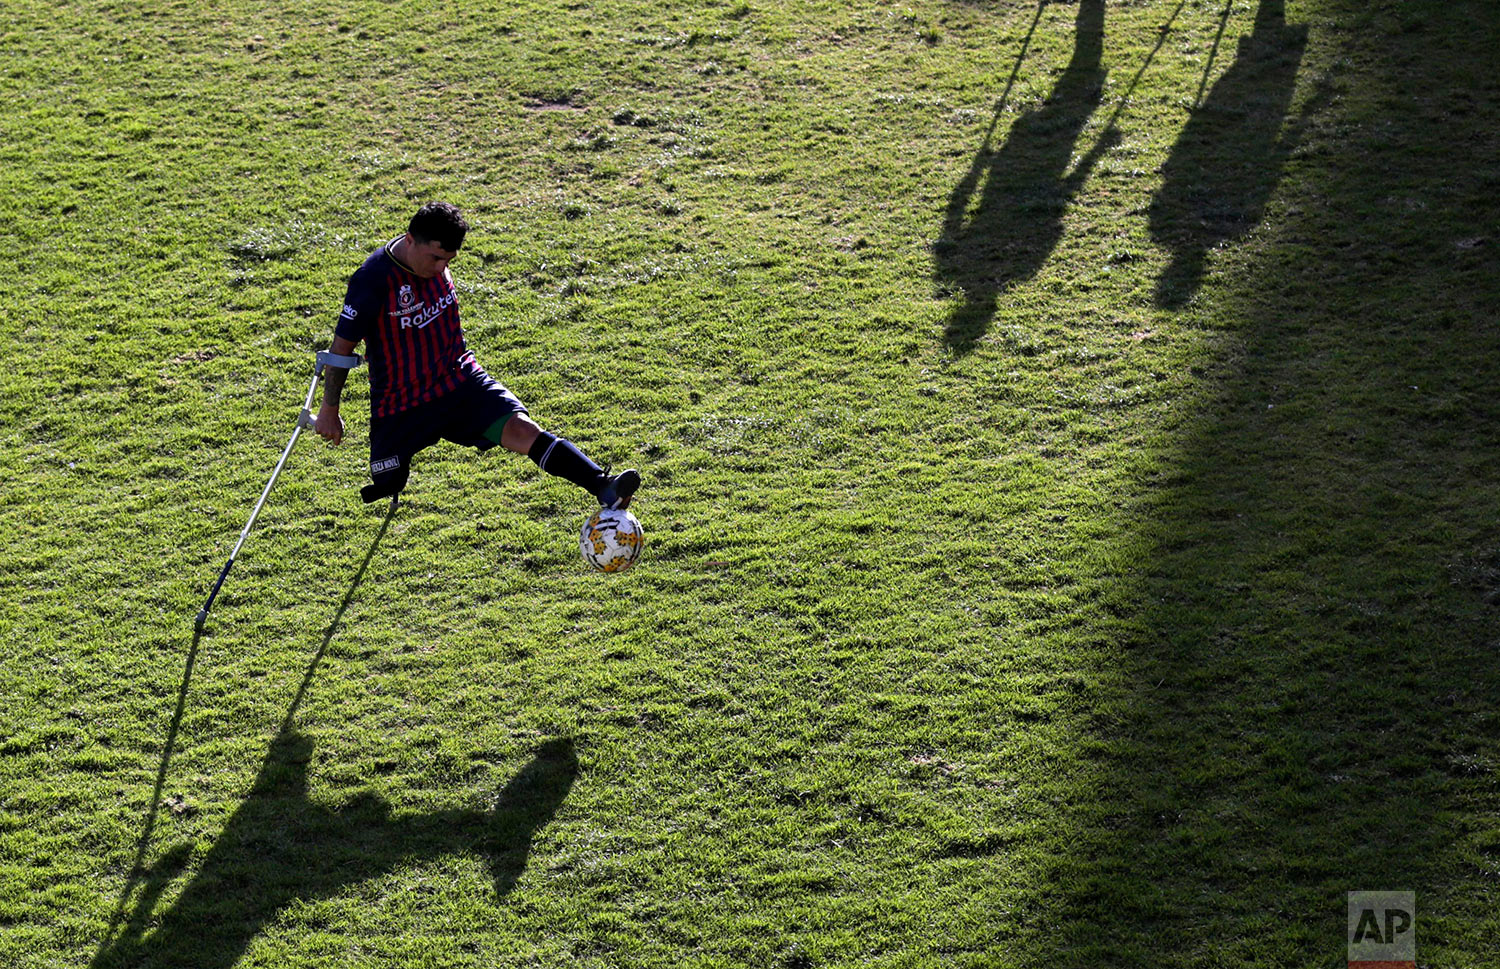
<point>304,420</point>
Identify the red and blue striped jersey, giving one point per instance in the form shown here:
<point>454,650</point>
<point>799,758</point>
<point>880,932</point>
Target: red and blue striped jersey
<point>413,341</point>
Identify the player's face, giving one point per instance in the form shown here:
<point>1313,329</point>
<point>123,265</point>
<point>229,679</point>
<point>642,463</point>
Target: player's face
<point>427,259</point>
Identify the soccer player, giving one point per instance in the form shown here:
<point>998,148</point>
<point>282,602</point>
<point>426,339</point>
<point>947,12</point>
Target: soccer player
<point>425,384</point>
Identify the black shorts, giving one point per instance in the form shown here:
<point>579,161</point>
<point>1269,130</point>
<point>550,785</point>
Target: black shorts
<point>461,416</point>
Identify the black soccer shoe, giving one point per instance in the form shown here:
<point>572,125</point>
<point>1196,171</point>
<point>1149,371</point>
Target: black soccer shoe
<point>617,493</point>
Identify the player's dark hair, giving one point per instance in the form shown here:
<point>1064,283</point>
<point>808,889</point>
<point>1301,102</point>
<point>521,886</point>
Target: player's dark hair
<point>439,222</point>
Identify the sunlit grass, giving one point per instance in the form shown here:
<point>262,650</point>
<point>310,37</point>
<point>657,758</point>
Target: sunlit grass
<point>1068,483</point>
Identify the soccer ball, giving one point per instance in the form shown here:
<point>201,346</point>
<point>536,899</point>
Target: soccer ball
<point>611,540</point>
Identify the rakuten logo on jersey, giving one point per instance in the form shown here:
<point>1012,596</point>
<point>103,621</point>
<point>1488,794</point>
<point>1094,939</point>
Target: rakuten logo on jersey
<point>421,314</point>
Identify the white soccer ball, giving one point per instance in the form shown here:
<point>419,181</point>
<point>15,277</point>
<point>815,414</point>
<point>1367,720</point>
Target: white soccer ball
<point>611,540</point>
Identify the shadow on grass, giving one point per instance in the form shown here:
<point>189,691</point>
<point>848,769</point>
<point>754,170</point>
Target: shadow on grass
<point>279,847</point>
<point>1230,154</point>
<point>138,872</point>
<point>1313,687</point>
<point>1004,217</point>
<point>153,808</point>
<point>338,617</point>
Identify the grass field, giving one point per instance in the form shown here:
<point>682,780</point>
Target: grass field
<point>1071,436</point>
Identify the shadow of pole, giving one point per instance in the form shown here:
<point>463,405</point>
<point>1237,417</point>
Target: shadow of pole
<point>137,868</point>
<point>971,179</point>
<point>312,667</point>
<point>1213,53</point>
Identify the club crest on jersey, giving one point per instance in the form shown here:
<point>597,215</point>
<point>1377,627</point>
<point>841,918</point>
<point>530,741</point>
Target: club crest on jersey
<point>405,299</point>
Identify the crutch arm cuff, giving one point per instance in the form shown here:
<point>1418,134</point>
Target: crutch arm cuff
<point>327,358</point>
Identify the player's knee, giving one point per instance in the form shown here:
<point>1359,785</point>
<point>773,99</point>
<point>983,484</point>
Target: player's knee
<point>520,434</point>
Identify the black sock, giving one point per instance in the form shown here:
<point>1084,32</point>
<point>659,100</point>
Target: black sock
<point>559,456</point>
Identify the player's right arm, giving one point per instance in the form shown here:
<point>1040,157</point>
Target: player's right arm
<point>328,422</point>
<point>361,304</point>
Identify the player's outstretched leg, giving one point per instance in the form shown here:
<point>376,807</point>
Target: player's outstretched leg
<point>561,457</point>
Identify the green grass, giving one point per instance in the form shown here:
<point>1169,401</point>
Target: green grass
<point>1070,483</point>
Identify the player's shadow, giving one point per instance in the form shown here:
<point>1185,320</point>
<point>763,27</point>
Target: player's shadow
<point>1004,218</point>
<point>153,808</point>
<point>279,846</point>
<point>1230,154</point>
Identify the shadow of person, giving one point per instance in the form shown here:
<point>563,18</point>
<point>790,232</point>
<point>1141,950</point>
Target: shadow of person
<point>1230,154</point>
<point>154,881</point>
<point>998,236</point>
<point>281,847</point>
